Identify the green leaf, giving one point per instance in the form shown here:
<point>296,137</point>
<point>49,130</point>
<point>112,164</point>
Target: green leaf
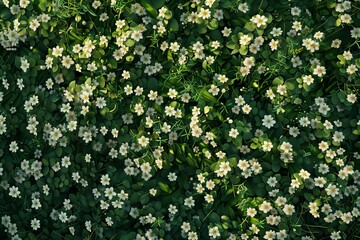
<point>173,25</point>
<point>266,53</point>
<point>275,166</point>
<point>164,187</point>
<point>168,15</point>
<point>253,146</point>
<point>153,84</point>
<point>309,197</point>
<point>130,43</point>
<point>31,236</point>
<point>232,45</point>
<point>87,9</point>
<point>342,59</point>
<point>278,81</point>
<point>357,62</point>
<point>144,199</point>
<point>96,54</point>
<point>5,13</point>
<point>289,85</point>
<point>112,62</point>
<point>243,50</point>
<point>249,26</point>
<point>213,24</point>
<point>156,3</point>
<point>342,96</point>
<point>205,95</point>
<point>126,184</point>
<point>59,151</point>
<point>214,218</point>
<point>101,82</point>
<point>216,35</point>
<point>149,7</point>
<point>226,4</point>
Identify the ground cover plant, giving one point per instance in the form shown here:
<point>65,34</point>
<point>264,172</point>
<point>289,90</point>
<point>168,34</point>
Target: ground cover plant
<point>161,119</point>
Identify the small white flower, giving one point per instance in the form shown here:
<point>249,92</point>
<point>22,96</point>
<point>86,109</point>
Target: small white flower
<point>143,141</point>
<point>351,98</point>
<point>172,176</point>
<point>13,147</point>
<point>14,192</point>
<point>268,121</point>
<point>233,133</point>
<point>259,20</point>
<point>214,232</point>
<point>35,224</point>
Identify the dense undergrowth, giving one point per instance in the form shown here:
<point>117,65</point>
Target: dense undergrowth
<point>154,119</point>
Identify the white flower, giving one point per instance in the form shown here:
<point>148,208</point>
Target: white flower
<point>355,33</point>
<point>172,93</point>
<point>268,121</point>
<point>185,227</point>
<point>319,71</point>
<point>204,13</point>
<point>224,168</point>
<point>67,61</point>
<point>100,102</point>
<point>259,20</point>
<point>289,209</point>
<point>226,31</point>
<point>36,203</point>
<point>153,191</point>
<point>281,89</point>
<point>56,134</point>
<point>57,51</point>
<point>103,17</point>
<point>72,125</point>
<point>265,207</point>
<point>189,202</point>
<point>272,181</point>
<point>267,146</point>
<point>335,235</point>
<point>243,7</point>
<point>295,11</point>
<point>351,98</point>
<point>214,232</point>
<point>308,79</point>
<point>105,180</point>
<point>172,209</point>
<point>88,226</point>
<point>251,212</point>
<point>172,176</point>
<point>139,109</point>
<point>351,69</point>
<point>143,141</point>
<point>336,43</point>
<point>35,224</point>
<point>246,108</point>
<point>13,147</point>
<point>65,162</point>
<point>126,74</point>
<point>233,133</point>
<point>24,3</point>
<point>24,64</point>
<point>14,192</point>
<point>245,39</point>
<point>273,44</point>
<point>276,32</point>
<point>34,24</point>
<point>338,136</point>
<point>192,236</point>
<point>110,193</point>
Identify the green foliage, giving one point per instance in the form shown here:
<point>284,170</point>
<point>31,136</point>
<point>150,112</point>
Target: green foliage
<point>155,119</point>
